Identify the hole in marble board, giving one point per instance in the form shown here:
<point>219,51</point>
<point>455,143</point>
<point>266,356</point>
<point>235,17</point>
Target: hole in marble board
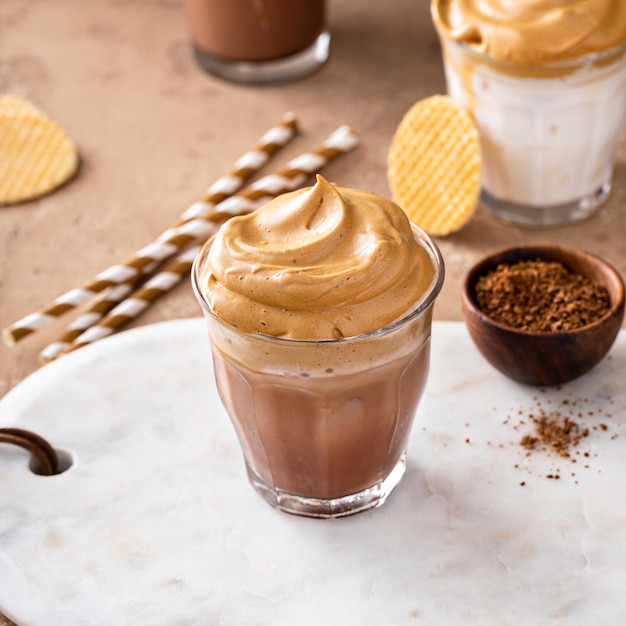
<point>66,460</point>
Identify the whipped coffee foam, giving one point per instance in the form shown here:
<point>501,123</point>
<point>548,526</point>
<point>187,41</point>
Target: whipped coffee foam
<point>324,262</point>
<point>530,32</point>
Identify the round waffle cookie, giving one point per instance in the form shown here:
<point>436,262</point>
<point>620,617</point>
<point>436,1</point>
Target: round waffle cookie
<point>17,104</point>
<point>36,154</point>
<point>433,165</point>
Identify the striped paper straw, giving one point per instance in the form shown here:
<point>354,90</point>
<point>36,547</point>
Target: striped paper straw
<point>93,315</point>
<point>130,308</point>
<point>246,166</point>
<point>111,297</point>
<point>341,141</point>
<point>249,163</point>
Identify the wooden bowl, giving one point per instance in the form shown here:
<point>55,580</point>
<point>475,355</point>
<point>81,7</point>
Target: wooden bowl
<point>545,358</point>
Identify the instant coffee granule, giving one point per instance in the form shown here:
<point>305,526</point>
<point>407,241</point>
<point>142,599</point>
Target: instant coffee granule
<point>540,296</point>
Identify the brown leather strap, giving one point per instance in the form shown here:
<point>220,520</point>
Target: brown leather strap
<point>36,445</point>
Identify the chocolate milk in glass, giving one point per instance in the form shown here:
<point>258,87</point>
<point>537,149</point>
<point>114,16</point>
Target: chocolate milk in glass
<point>319,309</point>
<point>259,40</point>
<point>324,434</point>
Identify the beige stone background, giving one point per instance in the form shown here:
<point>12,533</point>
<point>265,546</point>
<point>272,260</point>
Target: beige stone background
<point>154,131</point>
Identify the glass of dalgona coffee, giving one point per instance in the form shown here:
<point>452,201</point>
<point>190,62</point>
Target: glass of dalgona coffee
<point>319,311</point>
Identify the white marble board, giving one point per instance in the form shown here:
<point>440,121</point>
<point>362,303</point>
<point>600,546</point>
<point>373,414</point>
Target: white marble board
<point>155,523</point>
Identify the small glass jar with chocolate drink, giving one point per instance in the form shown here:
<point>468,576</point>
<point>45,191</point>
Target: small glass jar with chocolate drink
<point>259,41</point>
<point>319,309</point>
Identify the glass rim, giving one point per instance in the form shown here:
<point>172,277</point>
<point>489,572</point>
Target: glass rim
<point>423,303</point>
<point>585,59</point>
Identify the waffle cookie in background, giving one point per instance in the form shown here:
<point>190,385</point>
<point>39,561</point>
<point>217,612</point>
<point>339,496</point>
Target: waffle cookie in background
<point>36,154</point>
<point>433,165</point>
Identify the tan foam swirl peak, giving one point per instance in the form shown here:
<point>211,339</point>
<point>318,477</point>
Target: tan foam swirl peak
<point>528,32</point>
<point>323,262</point>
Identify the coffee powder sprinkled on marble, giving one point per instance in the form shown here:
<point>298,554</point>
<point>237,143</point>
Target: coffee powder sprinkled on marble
<point>555,430</point>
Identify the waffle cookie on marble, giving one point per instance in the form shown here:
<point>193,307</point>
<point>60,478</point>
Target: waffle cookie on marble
<point>433,165</point>
<point>36,154</point>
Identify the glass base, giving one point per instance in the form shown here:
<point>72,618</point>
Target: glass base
<point>268,72</point>
<point>554,215</point>
<point>335,507</point>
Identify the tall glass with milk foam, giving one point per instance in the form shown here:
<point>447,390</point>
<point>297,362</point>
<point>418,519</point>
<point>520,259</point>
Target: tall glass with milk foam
<point>324,425</point>
<point>549,132</point>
